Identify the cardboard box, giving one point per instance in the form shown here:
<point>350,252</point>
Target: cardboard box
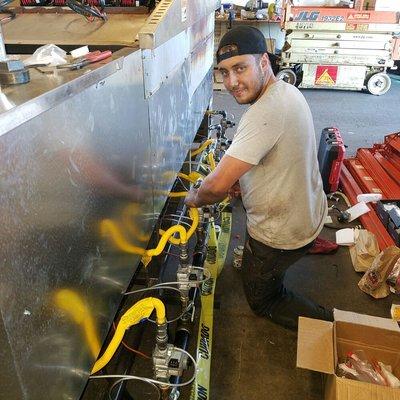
<point>322,344</point>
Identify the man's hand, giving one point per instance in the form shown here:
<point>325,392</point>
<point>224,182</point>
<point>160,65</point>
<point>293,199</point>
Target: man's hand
<point>190,199</point>
<point>215,186</point>
<point>234,191</point>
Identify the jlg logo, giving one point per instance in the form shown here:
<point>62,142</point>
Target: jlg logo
<point>307,16</point>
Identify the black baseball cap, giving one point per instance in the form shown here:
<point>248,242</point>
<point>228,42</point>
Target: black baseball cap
<point>241,40</point>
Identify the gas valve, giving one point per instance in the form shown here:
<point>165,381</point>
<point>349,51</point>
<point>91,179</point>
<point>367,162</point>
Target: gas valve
<point>169,362</point>
<point>189,277</point>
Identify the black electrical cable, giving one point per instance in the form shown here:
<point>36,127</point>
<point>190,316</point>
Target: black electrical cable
<point>85,9</point>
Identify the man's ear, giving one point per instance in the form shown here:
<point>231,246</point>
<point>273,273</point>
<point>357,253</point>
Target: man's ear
<point>264,62</point>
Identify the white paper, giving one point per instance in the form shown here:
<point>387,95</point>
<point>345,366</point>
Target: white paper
<point>79,52</point>
<point>345,237</point>
<point>357,210</point>
<point>367,197</point>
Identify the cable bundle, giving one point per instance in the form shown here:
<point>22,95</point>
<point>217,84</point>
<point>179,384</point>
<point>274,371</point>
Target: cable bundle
<point>88,11</point>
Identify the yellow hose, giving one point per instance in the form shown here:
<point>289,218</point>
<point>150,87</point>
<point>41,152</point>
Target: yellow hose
<point>211,161</point>
<point>177,194</point>
<point>193,177</point>
<point>194,215</point>
<point>165,237</point>
<point>142,309</point>
<point>109,227</point>
<point>201,148</point>
<point>72,303</point>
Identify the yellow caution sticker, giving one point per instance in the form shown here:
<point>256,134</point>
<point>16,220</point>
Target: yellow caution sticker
<point>216,255</point>
<point>224,239</point>
<point>326,75</point>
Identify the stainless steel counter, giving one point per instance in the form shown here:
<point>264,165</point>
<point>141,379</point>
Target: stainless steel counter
<point>78,149</point>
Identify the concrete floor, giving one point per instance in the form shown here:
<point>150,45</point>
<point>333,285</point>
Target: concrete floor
<point>254,359</point>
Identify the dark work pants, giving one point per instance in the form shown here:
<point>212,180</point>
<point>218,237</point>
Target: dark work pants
<point>263,273</point>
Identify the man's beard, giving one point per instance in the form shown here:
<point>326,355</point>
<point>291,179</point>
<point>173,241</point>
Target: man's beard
<point>257,91</point>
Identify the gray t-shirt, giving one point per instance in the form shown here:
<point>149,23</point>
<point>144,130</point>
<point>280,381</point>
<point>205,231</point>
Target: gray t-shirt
<point>282,194</point>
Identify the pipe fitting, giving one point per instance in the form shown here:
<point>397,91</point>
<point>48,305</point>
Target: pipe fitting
<point>162,336</point>
<point>184,255</point>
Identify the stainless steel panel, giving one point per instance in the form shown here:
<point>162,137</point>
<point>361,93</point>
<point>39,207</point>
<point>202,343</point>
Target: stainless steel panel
<point>177,107</point>
<point>171,18</point>
<point>171,138</point>
<point>19,104</point>
<point>195,44</point>
<point>78,148</point>
<point>61,174</point>
<point>171,55</point>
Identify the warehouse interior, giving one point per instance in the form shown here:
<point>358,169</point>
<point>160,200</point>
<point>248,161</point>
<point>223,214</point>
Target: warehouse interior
<point>118,281</point>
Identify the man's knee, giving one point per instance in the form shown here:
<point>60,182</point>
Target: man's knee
<point>258,309</point>
<point>257,299</point>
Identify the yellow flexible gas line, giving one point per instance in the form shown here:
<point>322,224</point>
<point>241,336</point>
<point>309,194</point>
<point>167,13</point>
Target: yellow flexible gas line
<point>194,215</point>
<point>108,226</point>
<point>211,161</point>
<point>165,237</point>
<point>201,148</point>
<point>142,309</point>
<point>177,194</point>
<point>193,177</point>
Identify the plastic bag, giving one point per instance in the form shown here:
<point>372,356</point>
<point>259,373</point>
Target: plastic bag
<point>358,367</point>
<point>49,54</point>
<point>364,251</point>
<point>387,373</point>
<point>374,280</point>
<point>393,280</point>
<point>365,370</point>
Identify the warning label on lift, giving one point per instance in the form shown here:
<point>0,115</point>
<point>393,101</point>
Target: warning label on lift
<point>326,75</point>
<point>358,16</point>
<point>357,27</point>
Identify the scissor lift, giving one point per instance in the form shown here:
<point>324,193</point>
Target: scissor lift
<point>339,48</point>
